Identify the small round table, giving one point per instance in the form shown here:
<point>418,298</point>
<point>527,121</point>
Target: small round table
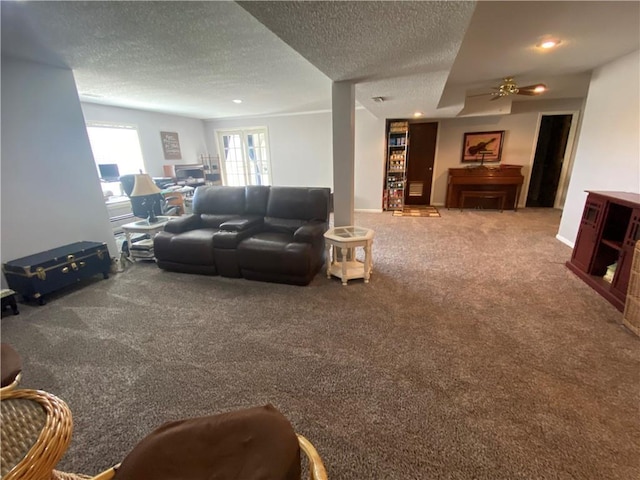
<point>347,239</point>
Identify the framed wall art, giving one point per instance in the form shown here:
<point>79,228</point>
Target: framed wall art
<point>170,145</point>
<point>482,146</point>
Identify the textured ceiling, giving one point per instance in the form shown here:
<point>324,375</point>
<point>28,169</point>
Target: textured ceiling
<point>501,39</point>
<point>194,58</point>
<point>401,51</point>
<point>189,58</point>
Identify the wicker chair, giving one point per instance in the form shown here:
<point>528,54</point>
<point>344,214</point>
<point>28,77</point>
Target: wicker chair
<point>36,431</point>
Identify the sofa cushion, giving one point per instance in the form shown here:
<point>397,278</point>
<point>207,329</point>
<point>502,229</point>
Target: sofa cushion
<point>194,247</point>
<point>298,203</point>
<point>283,225</point>
<point>208,220</point>
<point>182,224</point>
<point>240,224</point>
<point>275,252</point>
<point>256,197</point>
<point>219,200</point>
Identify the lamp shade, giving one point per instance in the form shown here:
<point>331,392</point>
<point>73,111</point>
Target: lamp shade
<point>144,185</point>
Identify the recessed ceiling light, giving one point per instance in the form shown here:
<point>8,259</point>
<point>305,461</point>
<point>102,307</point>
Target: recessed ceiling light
<point>237,101</point>
<point>418,114</point>
<point>547,44</point>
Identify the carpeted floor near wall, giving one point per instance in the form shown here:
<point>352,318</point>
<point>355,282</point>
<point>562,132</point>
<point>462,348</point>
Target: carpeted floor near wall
<point>473,353</point>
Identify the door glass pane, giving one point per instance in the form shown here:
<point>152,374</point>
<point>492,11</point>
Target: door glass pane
<point>233,161</point>
<point>258,164</point>
<point>245,157</point>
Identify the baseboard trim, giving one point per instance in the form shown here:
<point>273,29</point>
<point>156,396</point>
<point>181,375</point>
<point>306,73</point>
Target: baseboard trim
<point>368,210</point>
<point>565,241</point>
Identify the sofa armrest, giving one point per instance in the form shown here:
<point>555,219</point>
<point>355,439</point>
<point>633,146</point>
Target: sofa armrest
<point>183,223</point>
<point>310,233</point>
<point>241,224</point>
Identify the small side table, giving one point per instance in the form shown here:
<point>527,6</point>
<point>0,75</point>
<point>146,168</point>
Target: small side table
<point>347,239</point>
<point>143,226</point>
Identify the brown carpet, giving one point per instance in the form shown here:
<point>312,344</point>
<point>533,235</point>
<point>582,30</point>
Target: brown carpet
<point>472,353</point>
<point>415,211</point>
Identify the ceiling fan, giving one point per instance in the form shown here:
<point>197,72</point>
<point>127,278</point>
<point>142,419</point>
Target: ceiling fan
<point>510,87</point>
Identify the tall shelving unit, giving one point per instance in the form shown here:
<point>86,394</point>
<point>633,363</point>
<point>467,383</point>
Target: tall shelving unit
<point>603,253</point>
<point>396,171</point>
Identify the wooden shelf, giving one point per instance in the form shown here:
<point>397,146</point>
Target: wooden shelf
<point>607,216</point>
<point>613,244</point>
<point>396,165</point>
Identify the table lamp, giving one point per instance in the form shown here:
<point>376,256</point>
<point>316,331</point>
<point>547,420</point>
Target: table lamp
<point>144,186</point>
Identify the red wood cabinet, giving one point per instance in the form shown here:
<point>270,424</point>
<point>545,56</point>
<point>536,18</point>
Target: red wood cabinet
<point>609,229</point>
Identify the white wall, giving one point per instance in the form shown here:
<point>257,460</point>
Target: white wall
<point>51,193</point>
<point>608,152</point>
<point>311,133</point>
<point>370,161</point>
<point>300,146</point>
<point>301,151</point>
<point>518,147</point>
<point>191,133</point>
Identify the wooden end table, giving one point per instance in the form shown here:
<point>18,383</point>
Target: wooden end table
<point>347,239</point>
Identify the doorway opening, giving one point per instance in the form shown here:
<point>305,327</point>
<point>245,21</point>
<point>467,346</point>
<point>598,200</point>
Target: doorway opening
<point>553,138</point>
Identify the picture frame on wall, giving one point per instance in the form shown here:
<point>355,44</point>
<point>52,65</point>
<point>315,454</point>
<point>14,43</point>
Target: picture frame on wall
<point>170,145</point>
<point>482,146</point>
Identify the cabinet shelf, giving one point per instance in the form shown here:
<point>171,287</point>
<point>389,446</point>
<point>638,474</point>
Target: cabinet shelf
<point>612,243</point>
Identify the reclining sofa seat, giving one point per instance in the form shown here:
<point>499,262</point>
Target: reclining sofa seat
<point>257,232</point>
<point>289,248</point>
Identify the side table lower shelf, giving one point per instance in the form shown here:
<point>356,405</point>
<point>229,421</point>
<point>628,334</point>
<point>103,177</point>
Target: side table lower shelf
<point>143,250</point>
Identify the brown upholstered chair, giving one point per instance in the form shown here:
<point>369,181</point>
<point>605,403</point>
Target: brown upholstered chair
<point>10,367</point>
<point>255,443</point>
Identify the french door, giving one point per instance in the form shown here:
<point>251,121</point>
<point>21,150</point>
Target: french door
<point>245,156</point>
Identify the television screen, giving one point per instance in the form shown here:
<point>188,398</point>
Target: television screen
<point>109,172</point>
<point>183,174</point>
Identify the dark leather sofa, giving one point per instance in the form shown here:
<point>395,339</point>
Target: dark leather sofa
<point>273,234</point>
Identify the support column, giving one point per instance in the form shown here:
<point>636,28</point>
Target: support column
<point>343,116</point>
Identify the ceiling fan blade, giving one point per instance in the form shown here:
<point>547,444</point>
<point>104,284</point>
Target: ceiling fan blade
<point>488,93</point>
<point>531,89</point>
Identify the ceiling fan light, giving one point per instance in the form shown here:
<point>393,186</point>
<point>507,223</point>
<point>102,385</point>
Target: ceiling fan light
<point>418,114</point>
<point>547,44</point>
<point>540,89</point>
